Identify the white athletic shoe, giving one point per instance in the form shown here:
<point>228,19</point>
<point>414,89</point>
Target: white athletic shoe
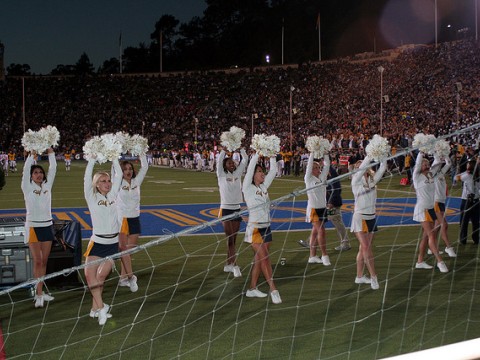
<point>362,280</point>
<point>102,315</point>
<point>326,260</point>
<point>423,265</point>
<point>275,295</point>
<point>236,271</point>
<point>429,252</point>
<point>38,301</point>
<point>251,293</point>
<point>47,297</point>
<point>94,313</point>
<point>450,251</point>
<point>442,267</point>
<point>374,283</point>
<point>343,246</point>
<point>314,260</point>
<point>228,268</point>
<point>133,283</point>
<point>124,282</point>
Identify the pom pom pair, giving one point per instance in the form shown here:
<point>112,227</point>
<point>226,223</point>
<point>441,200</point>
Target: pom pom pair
<point>41,140</point>
<point>378,148</point>
<point>232,140</point>
<point>318,146</point>
<point>267,146</point>
<point>110,146</point>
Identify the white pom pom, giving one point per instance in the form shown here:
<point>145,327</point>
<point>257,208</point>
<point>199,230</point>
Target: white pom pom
<point>30,141</point>
<point>424,143</point>
<point>267,146</point>
<point>123,138</point>
<point>232,140</point>
<point>112,148</point>
<point>93,149</point>
<point>318,146</point>
<point>378,148</point>
<point>442,148</point>
<point>138,145</point>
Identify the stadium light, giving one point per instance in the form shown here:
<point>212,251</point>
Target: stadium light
<point>291,118</point>
<point>381,69</point>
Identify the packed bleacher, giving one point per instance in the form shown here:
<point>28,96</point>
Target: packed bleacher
<point>337,99</point>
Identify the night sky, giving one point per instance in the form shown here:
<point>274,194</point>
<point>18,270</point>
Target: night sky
<point>44,34</point>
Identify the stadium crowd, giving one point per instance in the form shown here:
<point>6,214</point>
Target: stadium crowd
<point>430,90</point>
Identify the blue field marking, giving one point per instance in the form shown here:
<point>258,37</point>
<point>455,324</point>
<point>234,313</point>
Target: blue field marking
<point>157,220</point>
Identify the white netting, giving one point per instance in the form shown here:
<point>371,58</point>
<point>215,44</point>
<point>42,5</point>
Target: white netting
<point>188,307</point>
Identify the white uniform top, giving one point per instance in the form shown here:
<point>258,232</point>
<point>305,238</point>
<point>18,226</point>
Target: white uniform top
<point>365,192</point>
<point>38,199</point>
<point>317,196</point>
<point>128,198</point>
<point>468,185</point>
<point>424,186</point>
<point>256,197</point>
<point>103,209</point>
<point>440,183</point>
<point>230,184</point>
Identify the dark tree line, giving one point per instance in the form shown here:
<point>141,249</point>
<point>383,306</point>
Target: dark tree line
<point>242,32</point>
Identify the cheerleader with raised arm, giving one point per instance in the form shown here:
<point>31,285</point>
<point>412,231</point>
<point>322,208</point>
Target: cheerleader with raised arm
<point>229,177</point>
<point>364,188</point>
<point>316,180</point>
<point>258,233</point>
<point>424,212</point>
<point>128,202</point>
<point>37,191</point>
<point>101,196</point>
<point>440,200</point>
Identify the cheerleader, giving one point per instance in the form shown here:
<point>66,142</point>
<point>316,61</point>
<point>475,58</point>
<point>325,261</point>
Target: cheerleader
<point>230,186</point>
<point>37,191</point>
<point>101,195</point>
<point>316,180</point>
<point>364,189</point>
<point>258,233</point>
<point>128,202</point>
<point>424,212</point>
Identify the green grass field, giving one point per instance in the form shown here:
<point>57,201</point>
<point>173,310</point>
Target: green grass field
<point>188,308</point>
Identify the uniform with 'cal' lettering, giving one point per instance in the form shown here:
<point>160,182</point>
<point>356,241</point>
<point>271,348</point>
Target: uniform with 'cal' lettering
<point>128,200</point>
<point>317,195</point>
<point>425,189</point>
<point>38,200</point>
<point>103,209</point>
<point>258,203</point>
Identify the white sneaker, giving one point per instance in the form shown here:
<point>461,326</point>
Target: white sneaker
<point>228,268</point>
<point>362,280</point>
<point>343,247</point>
<point>374,283</point>
<point>314,260</point>
<point>47,297</point>
<point>423,265</point>
<point>275,295</point>
<point>94,313</point>
<point>133,283</point>
<point>429,252</point>
<point>326,260</point>
<point>236,271</point>
<point>450,251</point>
<point>124,282</point>
<point>251,293</point>
<point>38,301</point>
<point>442,267</point>
<point>102,315</point>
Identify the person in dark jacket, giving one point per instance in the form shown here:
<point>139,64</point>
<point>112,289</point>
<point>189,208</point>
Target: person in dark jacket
<point>334,206</point>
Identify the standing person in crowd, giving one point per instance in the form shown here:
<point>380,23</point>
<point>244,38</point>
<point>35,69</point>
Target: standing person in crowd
<point>316,180</point>
<point>440,200</point>
<point>68,160</point>
<point>470,205</point>
<point>12,160</point>
<point>364,188</point>
<point>424,212</point>
<point>101,195</point>
<point>37,191</point>
<point>230,186</point>
<point>258,233</point>
<point>334,209</point>
<point>128,202</point>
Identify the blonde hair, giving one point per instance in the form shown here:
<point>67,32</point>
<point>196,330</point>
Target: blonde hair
<point>96,178</point>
